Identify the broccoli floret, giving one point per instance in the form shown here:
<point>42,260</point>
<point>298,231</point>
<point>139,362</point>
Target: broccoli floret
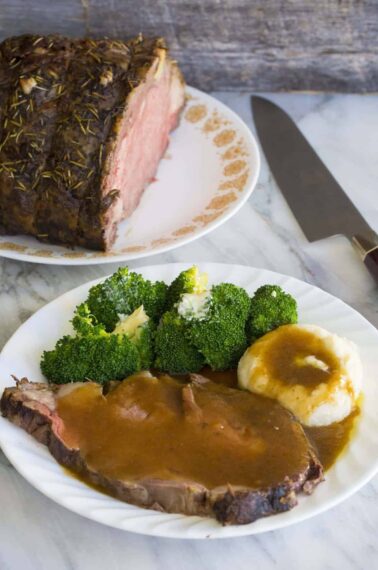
<point>144,343</point>
<point>219,333</point>
<point>98,355</point>
<point>98,358</point>
<point>271,307</point>
<point>189,281</point>
<point>174,352</point>
<point>228,297</point>
<point>140,329</point>
<point>85,323</point>
<point>121,294</point>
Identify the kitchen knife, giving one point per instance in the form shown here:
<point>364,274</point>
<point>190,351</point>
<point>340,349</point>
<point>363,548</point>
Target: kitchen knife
<point>315,197</point>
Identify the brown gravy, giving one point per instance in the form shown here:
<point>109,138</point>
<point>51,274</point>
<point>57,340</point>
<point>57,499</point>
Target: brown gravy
<point>226,377</point>
<point>181,431</point>
<point>163,428</point>
<point>286,362</point>
<point>328,441</point>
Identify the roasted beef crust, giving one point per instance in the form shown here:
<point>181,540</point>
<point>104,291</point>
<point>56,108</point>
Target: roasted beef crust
<point>61,101</point>
<point>229,505</point>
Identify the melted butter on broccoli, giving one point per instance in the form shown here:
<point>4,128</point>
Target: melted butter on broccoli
<point>194,305</point>
<point>127,324</point>
<point>131,325</point>
<point>99,355</point>
<point>220,336</point>
<point>203,328</point>
<point>190,281</point>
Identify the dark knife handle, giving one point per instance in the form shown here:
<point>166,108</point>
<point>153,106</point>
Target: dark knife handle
<point>368,250</point>
<point>371,262</point>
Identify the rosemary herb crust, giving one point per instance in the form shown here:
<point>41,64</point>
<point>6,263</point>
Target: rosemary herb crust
<point>61,103</point>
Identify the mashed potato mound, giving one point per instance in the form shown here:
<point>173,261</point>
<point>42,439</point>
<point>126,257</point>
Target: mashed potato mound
<point>312,372</point>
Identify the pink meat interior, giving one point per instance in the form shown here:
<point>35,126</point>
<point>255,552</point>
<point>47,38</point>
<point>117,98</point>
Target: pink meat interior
<point>151,114</point>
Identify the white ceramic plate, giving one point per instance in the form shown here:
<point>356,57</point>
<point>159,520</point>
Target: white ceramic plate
<point>353,469</point>
<point>209,170</point>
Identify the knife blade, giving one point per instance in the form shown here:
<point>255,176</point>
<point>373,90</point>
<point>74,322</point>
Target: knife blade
<point>316,199</point>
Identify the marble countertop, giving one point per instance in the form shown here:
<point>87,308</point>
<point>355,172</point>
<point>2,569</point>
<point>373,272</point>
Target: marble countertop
<point>36,534</point>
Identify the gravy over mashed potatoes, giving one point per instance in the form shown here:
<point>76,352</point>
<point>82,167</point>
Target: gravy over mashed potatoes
<point>312,372</point>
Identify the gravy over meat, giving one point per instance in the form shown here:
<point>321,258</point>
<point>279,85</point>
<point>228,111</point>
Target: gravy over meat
<point>328,441</point>
<point>166,429</point>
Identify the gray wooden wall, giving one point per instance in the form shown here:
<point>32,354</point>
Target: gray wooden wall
<point>231,44</point>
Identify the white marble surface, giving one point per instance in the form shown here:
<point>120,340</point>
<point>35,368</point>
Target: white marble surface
<point>37,534</point>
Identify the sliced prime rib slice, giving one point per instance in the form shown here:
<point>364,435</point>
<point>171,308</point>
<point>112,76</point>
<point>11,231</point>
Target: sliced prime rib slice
<point>177,473</point>
<point>83,125</point>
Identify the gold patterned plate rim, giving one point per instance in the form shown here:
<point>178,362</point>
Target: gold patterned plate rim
<point>239,165</point>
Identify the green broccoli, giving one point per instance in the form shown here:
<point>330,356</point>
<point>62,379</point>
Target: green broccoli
<point>203,328</point>
<point>85,323</point>
<point>271,307</point>
<point>121,294</point>
<point>218,330</point>
<point>98,358</point>
<point>140,329</point>
<point>189,281</point>
<point>174,352</point>
<point>229,297</point>
<point>98,355</point>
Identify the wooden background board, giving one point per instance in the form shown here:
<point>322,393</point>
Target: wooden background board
<point>261,45</point>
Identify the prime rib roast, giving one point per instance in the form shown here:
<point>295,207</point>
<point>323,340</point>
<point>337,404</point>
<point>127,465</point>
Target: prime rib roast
<point>83,126</point>
<point>208,409</point>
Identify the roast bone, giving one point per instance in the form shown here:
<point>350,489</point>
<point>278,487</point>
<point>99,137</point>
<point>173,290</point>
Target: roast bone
<point>33,407</point>
<point>83,125</point>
